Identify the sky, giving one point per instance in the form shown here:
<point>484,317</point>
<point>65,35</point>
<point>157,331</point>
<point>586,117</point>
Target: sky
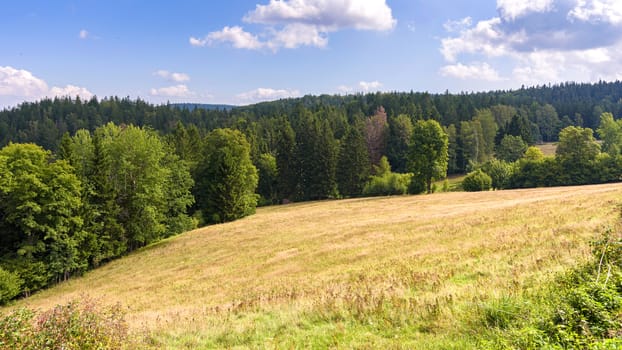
<point>246,51</point>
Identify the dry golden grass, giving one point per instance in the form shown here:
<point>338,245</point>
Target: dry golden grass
<point>426,255</point>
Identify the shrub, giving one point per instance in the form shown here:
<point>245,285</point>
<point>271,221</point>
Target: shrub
<point>477,181</point>
<point>388,184</point>
<point>499,171</point>
<point>10,286</point>
<point>80,324</point>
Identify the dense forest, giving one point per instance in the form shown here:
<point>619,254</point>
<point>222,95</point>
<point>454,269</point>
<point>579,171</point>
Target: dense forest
<point>83,182</point>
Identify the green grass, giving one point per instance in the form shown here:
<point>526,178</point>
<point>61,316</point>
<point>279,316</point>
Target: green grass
<point>391,272</point>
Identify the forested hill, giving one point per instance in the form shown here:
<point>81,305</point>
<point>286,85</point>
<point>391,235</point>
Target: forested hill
<point>44,122</point>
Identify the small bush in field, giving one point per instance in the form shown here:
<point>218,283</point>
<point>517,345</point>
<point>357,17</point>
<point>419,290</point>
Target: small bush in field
<point>477,181</point>
<point>80,324</point>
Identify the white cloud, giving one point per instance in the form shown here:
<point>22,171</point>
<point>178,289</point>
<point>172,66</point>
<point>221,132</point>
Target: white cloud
<point>459,25</point>
<point>477,71</point>
<point>362,15</point>
<point>180,90</point>
<point>540,42</point>
<point>71,91</point>
<point>362,86</point>
<point>236,36</point>
<point>608,11</point>
<point>83,34</point>
<point>266,94</point>
<point>486,37</point>
<point>19,85</point>
<point>512,9</point>
<point>176,77</point>
<point>294,23</point>
<point>370,85</point>
<point>197,42</point>
<point>295,35</point>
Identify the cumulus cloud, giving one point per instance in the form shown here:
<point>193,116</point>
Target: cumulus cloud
<point>19,85</point>
<point>477,71</point>
<point>266,94</point>
<point>236,36</point>
<point>171,76</point>
<point>607,11</point>
<point>180,90</point>
<point>294,23</point>
<point>540,41</point>
<point>362,86</point>
<point>83,34</point>
<point>71,91</point>
<point>335,14</point>
<point>512,9</point>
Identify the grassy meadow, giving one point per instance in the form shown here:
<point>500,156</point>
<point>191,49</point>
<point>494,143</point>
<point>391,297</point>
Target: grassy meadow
<point>389,272</point>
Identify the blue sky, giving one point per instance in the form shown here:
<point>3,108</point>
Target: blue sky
<point>241,52</point>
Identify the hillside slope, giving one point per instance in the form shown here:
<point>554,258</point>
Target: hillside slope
<point>365,272</point>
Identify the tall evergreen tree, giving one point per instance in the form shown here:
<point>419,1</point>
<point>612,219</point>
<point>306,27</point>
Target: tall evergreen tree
<point>286,160</point>
<point>228,178</point>
<point>353,168</point>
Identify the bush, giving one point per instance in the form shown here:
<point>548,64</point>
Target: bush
<point>579,310</point>
<point>477,181</point>
<point>387,184</point>
<point>10,286</point>
<point>499,171</point>
<point>80,324</point>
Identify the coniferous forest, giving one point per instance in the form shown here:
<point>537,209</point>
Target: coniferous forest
<point>83,182</point>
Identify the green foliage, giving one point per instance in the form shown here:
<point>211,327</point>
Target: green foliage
<point>285,146</point>
<point>499,171</point>
<point>472,143</point>
<point>40,201</point>
<point>10,286</point>
<point>511,148</point>
<point>383,167</point>
<point>353,168</point>
<point>477,181</point>
<point>268,179</point>
<point>610,131</point>
<point>578,310</point>
<point>80,324</point>
<point>489,129</point>
<point>400,133</point>
<point>132,167</point>
<point>577,145</point>
<point>452,149</point>
<point>316,159</point>
<point>428,152</point>
<point>388,184</point>
<point>576,152</point>
<point>228,178</point>
<point>521,127</point>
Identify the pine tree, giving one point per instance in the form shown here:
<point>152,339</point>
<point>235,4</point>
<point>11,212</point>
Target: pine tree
<point>353,168</point>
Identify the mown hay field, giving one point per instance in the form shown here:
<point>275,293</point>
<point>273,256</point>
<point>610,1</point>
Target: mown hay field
<point>399,272</point>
